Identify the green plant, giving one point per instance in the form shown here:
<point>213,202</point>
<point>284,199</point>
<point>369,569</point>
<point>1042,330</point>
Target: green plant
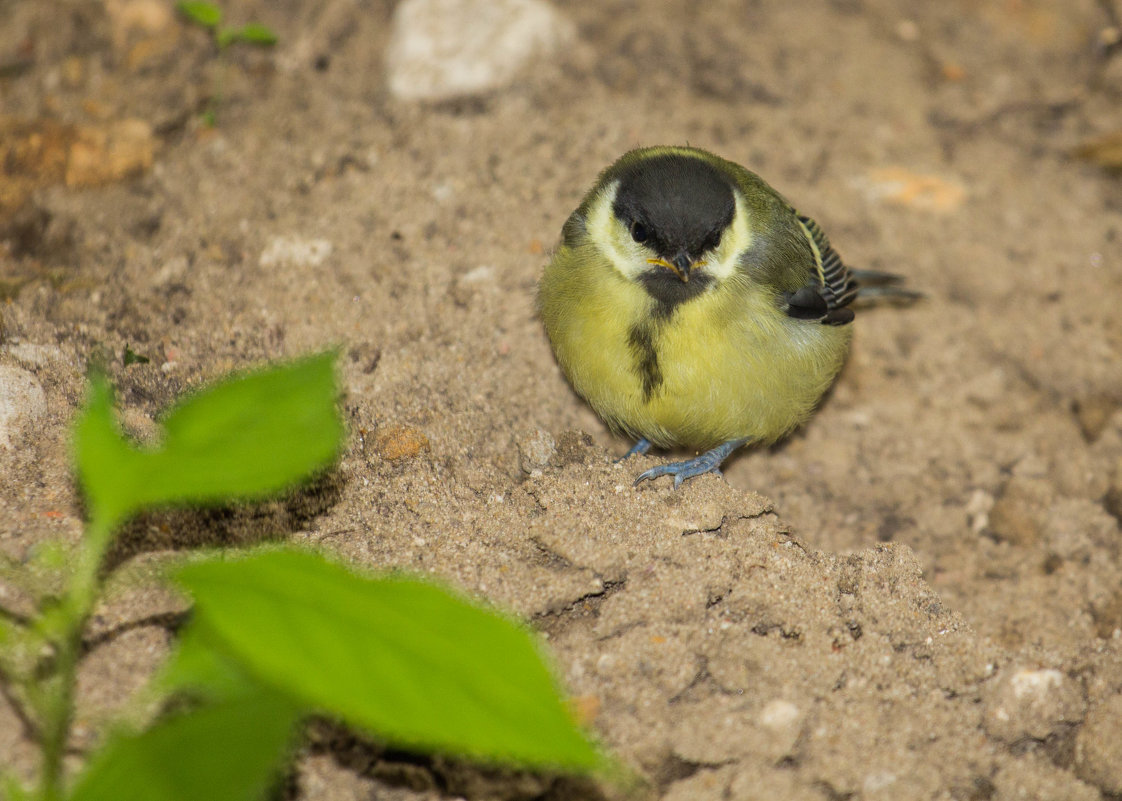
<point>209,16</point>
<point>276,634</point>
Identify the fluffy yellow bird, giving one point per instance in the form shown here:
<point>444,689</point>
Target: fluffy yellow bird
<point>692,306</point>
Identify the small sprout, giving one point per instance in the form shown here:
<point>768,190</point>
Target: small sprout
<point>207,15</point>
<point>132,357</point>
<point>256,34</point>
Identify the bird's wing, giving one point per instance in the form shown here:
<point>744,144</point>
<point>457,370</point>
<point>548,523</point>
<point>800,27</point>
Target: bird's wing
<point>825,299</point>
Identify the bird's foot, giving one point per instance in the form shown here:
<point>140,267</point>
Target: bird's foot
<point>638,449</point>
<point>708,462</point>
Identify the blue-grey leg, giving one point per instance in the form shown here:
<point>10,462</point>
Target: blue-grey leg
<point>638,449</point>
<point>708,462</point>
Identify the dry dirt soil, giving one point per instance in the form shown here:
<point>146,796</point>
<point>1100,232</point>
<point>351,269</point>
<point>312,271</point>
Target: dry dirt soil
<point>916,597</point>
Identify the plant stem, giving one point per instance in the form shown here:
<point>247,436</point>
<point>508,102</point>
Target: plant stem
<point>59,712</point>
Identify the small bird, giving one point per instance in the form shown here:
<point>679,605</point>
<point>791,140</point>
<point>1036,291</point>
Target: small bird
<point>692,306</point>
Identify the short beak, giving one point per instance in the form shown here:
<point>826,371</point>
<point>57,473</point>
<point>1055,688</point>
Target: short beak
<point>680,266</point>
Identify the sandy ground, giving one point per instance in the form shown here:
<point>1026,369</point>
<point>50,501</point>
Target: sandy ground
<point>918,596</point>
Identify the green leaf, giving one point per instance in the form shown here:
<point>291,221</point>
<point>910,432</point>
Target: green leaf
<point>229,751</point>
<point>11,789</point>
<point>105,463</point>
<point>226,36</point>
<point>132,357</point>
<point>404,659</point>
<point>251,435</point>
<point>244,438</point>
<point>199,671</point>
<point>257,34</point>
<point>207,15</point>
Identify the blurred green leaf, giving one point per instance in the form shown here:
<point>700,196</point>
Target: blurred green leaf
<point>105,463</point>
<point>52,555</point>
<point>132,357</point>
<point>228,751</point>
<point>196,669</point>
<point>245,437</point>
<point>404,659</point>
<point>257,34</point>
<point>11,789</point>
<point>207,15</point>
<point>225,36</point>
<point>250,435</point>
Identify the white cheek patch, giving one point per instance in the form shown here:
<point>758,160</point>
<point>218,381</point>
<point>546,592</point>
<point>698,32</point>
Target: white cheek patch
<point>627,256</point>
<point>737,239</point>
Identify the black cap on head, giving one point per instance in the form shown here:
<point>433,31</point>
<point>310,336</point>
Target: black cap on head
<point>681,204</point>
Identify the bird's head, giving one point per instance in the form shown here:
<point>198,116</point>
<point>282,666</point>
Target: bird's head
<point>669,219</point>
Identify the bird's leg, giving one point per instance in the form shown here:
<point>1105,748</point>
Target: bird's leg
<point>639,448</point>
<point>708,462</point>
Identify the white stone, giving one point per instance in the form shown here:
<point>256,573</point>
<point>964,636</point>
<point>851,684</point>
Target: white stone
<point>22,402</point>
<point>441,49</point>
<point>537,449</point>
<point>1030,703</point>
<point>1036,682</point>
<point>878,781</point>
<point>480,274</point>
<point>779,714</point>
<point>34,355</point>
<point>978,510</point>
<point>295,252</point>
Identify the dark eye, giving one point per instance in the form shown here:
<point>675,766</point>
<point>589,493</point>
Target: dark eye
<point>639,232</point>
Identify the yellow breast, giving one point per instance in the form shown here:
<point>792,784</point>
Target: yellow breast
<point>728,366</point>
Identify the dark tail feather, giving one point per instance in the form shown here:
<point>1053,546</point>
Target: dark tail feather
<point>875,277</point>
<point>892,294</point>
<point>878,286</point>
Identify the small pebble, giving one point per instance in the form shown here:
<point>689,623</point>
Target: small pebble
<point>1031,704</point>
<point>978,510</point>
<point>536,451</point>
<point>907,30</point>
<point>779,714</point>
<point>33,355</point>
<point>919,191</point>
<point>400,442</point>
<point>101,154</point>
<point>295,252</point>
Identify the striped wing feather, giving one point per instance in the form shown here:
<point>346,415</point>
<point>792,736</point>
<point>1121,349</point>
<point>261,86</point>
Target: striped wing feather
<point>838,288</point>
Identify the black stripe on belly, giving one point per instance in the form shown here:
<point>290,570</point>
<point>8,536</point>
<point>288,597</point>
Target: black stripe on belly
<point>641,341</point>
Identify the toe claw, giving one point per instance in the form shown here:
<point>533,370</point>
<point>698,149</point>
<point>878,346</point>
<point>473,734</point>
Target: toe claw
<point>652,473</point>
<point>708,462</point>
